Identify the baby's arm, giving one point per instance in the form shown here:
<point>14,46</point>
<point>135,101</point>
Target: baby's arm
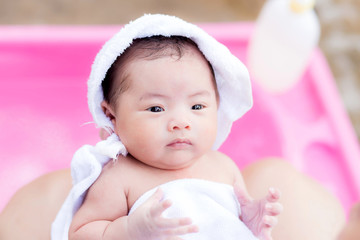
<point>260,216</point>
<point>105,206</point>
<point>103,215</point>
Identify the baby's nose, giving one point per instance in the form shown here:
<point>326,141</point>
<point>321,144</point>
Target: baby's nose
<point>179,124</point>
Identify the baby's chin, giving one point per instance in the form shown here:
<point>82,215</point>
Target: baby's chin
<point>176,163</point>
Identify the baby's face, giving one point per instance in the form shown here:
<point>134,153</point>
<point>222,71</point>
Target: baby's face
<point>168,116</point>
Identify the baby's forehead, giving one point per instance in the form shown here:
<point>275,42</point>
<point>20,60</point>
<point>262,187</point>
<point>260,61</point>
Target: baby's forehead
<point>172,51</point>
<point>165,59</point>
<point>154,48</point>
<point>141,54</point>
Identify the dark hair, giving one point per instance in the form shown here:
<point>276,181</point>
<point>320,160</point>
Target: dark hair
<point>149,48</point>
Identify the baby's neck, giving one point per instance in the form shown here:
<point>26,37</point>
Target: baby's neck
<point>195,169</point>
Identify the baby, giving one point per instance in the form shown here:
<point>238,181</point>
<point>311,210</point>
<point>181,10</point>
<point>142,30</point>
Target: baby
<point>163,101</point>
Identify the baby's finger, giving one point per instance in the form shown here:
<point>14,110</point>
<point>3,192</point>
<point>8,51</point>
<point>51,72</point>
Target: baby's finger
<point>270,221</point>
<point>173,238</point>
<point>273,195</point>
<point>157,196</point>
<point>168,223</point>
<point>159,207</point>
<point>156,203</point>
<point>181,230</point>
<point>273,209</point>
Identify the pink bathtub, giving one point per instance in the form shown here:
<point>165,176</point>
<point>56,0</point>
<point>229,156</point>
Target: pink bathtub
<point>44,115</point>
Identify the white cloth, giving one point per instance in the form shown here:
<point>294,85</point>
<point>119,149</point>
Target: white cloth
<point>212,206</point>
<point>233,85</point>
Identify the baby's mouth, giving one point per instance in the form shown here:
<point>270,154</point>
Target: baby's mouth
<point>180,143</point>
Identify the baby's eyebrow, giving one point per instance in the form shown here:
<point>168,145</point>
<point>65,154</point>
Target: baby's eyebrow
<point>201,93</point>
<point>147,96</point>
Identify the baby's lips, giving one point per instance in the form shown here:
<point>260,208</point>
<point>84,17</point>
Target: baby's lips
<point>180,142</point>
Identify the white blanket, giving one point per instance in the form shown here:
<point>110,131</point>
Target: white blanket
<point>212,206</point>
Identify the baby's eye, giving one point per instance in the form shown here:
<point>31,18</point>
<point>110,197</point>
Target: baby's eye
<point>197,107</point>
<point>155,109</point>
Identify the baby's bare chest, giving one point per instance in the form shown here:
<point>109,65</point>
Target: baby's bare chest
<point>148,179</point>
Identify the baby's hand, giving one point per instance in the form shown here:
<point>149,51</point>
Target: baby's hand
<point>260,216</point>
<point>147,221</point>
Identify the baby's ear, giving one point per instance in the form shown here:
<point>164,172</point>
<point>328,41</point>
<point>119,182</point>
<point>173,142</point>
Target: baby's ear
<point>108,111</point>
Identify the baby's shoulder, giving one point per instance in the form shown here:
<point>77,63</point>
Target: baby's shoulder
<point>106,192</point>
<point>114,178</point>
<point>222,161</point>
<point>219,167</point>
<point>120,168</point>
<point>219,157</point>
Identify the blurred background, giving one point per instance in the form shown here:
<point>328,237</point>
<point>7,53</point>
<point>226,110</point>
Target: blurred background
<point>340,23</point>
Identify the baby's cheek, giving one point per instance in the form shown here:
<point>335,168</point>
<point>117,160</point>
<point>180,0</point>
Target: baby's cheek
<point>208,133</point>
